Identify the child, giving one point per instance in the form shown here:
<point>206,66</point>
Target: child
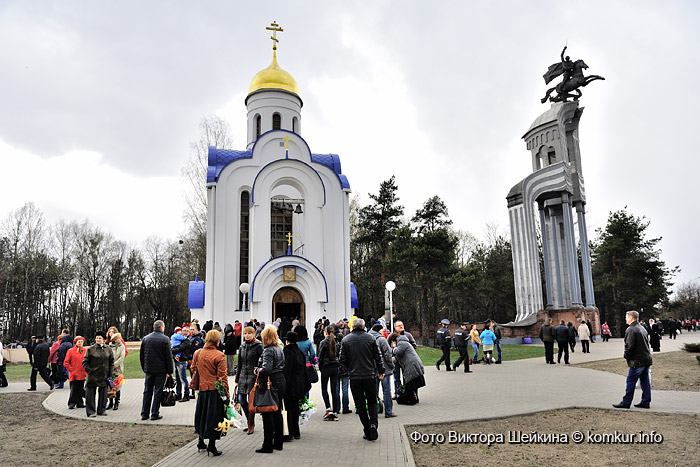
<point>175,340</point>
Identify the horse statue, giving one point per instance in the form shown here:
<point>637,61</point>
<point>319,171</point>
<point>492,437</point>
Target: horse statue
<point>573,79</point>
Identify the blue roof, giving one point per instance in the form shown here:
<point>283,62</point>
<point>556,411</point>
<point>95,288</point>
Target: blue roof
<point>220,158</point>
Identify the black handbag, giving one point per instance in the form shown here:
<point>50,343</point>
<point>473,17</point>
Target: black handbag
<point>312,374</point>
<point>262,401</point>
<point>167,399</point>
<point>169,383</point>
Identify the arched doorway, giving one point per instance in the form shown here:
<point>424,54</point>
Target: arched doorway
<point>288,302</point>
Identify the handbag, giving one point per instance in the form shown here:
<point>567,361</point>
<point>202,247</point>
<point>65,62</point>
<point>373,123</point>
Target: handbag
<point>311,373</point>
<point>169,383</point>
<point>194,379</point>
<point>262,401</point>
<point>167,399</point>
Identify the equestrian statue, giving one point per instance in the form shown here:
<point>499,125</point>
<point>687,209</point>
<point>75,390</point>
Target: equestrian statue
<point>572,80</point>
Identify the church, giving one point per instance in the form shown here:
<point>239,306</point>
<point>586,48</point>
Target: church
<point>277,217</point>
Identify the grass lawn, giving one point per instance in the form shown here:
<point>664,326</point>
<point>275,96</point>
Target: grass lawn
<point>429,355</point>
<point>132,369</point>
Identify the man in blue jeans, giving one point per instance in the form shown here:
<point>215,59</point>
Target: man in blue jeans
<point>387,360</point>
<point>638,358</point>
<point>183,350</point>
<point>157,363</point>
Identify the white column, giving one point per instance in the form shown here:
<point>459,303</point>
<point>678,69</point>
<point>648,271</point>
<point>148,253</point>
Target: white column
<point>585,256</point>
<point>570,244</point>
<point>545,254</point>
<point>211,257</point>
<point>559,300</point>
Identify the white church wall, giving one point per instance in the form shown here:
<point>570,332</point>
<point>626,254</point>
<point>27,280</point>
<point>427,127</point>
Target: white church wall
<point>268,103</point>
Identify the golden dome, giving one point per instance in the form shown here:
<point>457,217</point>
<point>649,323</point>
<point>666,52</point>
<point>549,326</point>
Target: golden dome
<point>273,77</point>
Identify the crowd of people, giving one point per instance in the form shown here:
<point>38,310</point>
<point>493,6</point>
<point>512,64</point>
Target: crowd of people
<point>487,340</point>
<point>352,356</point>
<point>91,372</point>
<point>282,357</point>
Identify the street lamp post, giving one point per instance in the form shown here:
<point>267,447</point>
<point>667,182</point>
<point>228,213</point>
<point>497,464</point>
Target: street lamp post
<point>390,286</point>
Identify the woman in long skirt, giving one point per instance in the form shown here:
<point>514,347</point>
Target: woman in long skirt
<point>210,364</point>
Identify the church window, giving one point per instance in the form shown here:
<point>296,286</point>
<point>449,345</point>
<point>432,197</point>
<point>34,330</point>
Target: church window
<point>258,126</point>
<point>245,229</point>
<point>276,121</point>
<point>280,226</point>
<point>551,156</point>
<point>295,125</point>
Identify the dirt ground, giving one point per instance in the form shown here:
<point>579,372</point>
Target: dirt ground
<point>31,435</point>
<point>672,371</point>
<point>680,444</point>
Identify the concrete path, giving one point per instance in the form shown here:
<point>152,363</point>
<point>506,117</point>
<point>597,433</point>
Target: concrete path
<point>513,388</point>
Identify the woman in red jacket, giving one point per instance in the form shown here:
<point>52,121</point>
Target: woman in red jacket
<point>76,373</point>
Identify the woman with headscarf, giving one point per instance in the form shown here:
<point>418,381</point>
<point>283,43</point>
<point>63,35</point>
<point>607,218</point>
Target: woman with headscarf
<point>116,345</point>
<point>76,373</point>
<point>271,368</point>
<point>97,362</point>
<point>111,332</point>
<point>248,356</point>
<point>411,366</point>
<point>210,364</point>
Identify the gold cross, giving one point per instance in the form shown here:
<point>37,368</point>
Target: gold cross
<point>274,27</point>
<point>286,140</point>
<point>289,238</point>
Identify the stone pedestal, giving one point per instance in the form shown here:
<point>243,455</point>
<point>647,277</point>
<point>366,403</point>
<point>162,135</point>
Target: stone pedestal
<point>575,315</point>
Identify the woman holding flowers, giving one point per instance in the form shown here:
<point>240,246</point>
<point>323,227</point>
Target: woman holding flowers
<point>210,365</point>
<point>116,345</point>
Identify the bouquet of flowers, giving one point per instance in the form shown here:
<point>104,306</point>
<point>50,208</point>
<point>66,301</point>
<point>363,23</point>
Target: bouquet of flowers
<point>232,418</point>
<point>118,382</point>
<point>307,407</point>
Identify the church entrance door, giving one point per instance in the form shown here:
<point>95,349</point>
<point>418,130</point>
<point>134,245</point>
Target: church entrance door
<point>288,302</point>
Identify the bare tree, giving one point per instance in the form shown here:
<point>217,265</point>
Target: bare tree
<point>214,131</point>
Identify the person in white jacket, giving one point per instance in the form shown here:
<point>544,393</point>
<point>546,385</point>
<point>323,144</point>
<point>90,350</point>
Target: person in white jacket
<point>585,335</point>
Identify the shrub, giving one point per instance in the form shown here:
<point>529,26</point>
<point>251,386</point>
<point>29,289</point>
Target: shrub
<point>692,347</point>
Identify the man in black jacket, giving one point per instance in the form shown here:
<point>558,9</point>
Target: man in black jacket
<point>359,353</point>
<point>41,359</point>
<point>497,331</point>
<point>461,343</point>
<point>443,339</point>
<point>30,349</point>
<point>156,362</point>
<point>639,360</point>
<point>547,335</point>
<point>562,334</point>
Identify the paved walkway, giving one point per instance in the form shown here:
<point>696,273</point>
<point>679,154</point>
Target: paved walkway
<point>514,388</point>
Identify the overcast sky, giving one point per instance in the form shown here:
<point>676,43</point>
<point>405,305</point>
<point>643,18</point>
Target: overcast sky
<point>100,100</point>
